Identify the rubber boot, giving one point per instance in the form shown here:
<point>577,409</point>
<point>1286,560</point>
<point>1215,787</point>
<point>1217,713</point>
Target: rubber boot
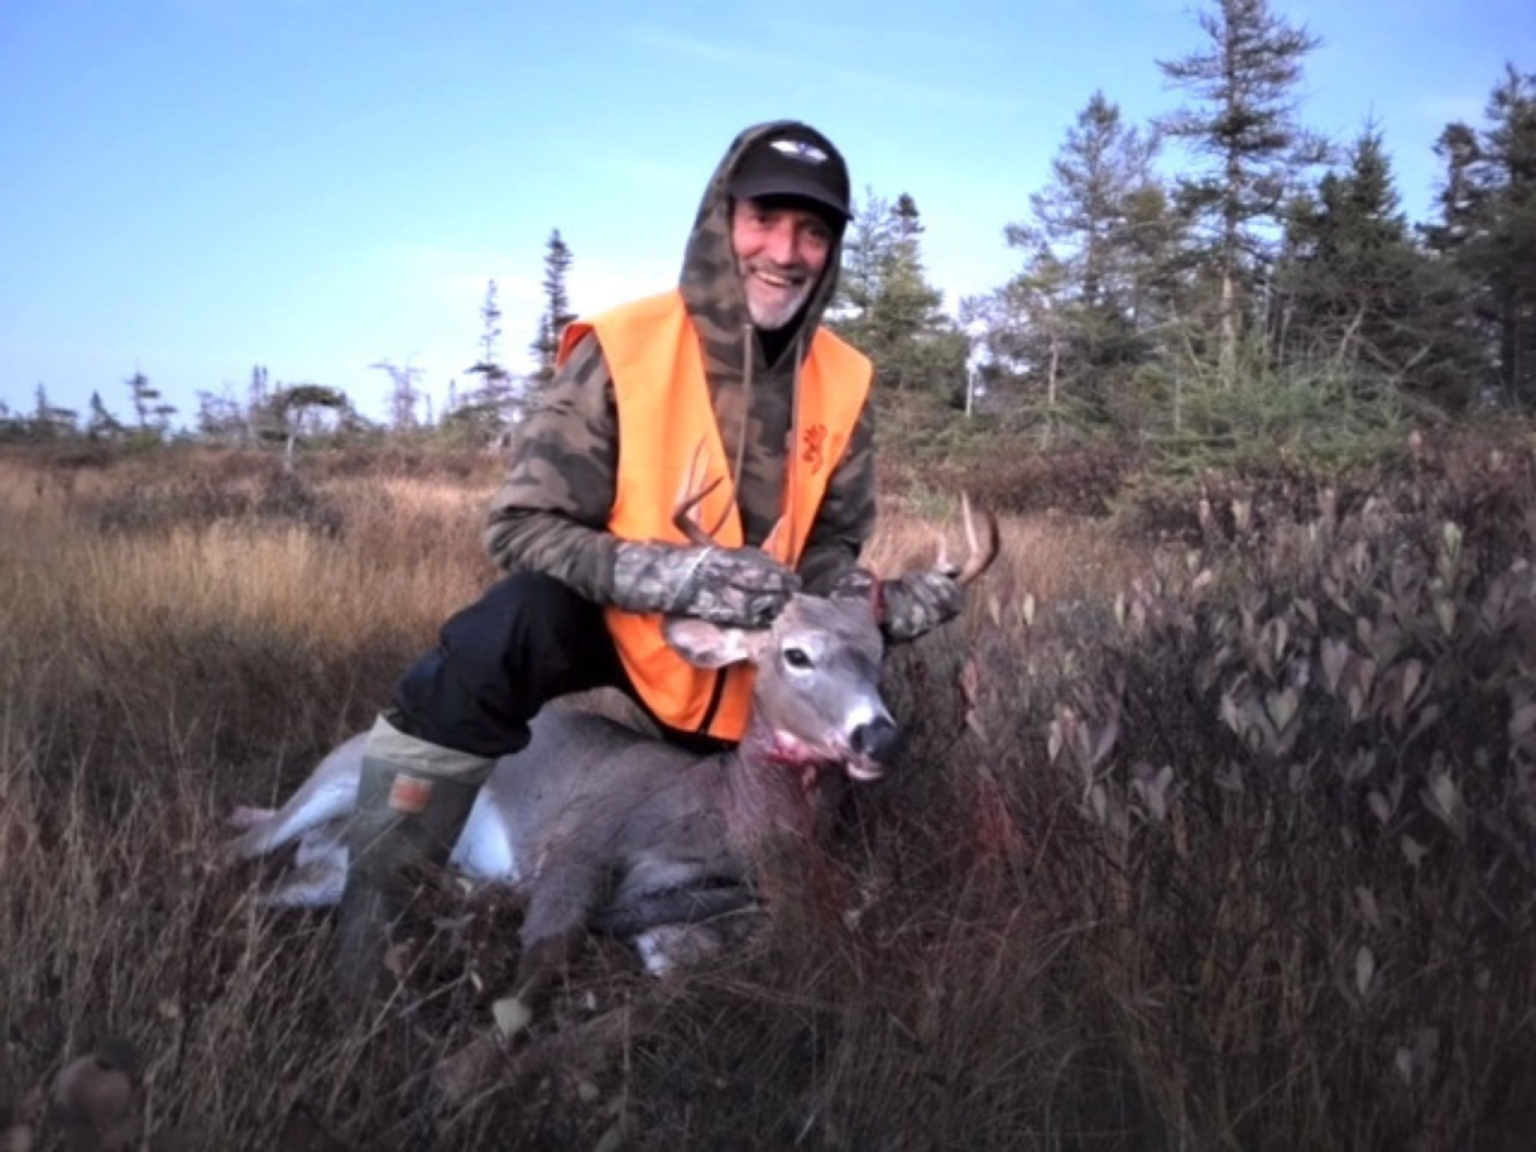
<point>413,801</point>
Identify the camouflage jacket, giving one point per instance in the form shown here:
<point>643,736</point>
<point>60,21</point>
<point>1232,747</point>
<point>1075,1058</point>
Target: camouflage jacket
<point>551,513</point>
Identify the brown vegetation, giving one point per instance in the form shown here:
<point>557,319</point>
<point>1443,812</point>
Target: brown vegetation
<point>1224,843</point>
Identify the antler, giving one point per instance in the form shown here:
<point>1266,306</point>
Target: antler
<point>687,523</point>
<point>981,553</point>
<point>693,493</point>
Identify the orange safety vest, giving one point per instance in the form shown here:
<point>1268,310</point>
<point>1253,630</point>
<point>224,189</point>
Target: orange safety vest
<point>670,447</point>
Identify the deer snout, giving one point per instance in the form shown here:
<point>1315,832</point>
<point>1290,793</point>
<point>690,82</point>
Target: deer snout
<point>877,740</point>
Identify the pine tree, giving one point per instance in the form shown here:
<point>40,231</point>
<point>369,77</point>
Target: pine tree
<point>143,395</point>
<point>49,421</point>
<point>1487,230</point>
<point>100,423</point>
<point>1095,255</point>
<point>1507,256</point>
<point>299,409</point>
<point>1358,293</point>
<point>492,404</point>
<point>1245,122</point>
<point>887,308</point>
<point>557,307</point>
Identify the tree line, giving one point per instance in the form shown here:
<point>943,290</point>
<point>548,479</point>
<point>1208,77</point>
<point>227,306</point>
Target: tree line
<point>288,414</point>
<point>1274,271</point>
<point>1275,268</point>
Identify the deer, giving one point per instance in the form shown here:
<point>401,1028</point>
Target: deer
<point>607,829</point>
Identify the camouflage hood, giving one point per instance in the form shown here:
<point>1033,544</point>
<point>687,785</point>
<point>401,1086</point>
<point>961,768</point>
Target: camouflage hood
<point>754,417</point>
<point>551,514</point>
<point>713,291</point>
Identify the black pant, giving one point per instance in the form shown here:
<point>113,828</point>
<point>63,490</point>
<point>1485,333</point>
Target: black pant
<point>527,640</point>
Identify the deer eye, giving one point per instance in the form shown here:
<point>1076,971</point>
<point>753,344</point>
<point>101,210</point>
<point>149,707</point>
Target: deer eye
<point>796,658</point>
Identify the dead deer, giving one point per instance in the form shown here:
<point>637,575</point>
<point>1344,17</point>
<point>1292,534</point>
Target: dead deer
<point>605,828</point>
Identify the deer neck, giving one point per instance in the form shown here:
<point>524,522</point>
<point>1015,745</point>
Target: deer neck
<point>771,790</point>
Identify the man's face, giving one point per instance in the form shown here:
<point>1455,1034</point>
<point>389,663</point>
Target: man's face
<point>780,252</point>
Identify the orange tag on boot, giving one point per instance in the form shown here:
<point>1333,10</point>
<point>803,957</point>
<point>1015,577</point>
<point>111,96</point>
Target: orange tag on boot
<point>410,794</point>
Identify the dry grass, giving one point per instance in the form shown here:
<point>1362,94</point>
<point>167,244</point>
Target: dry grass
<point>1020,940</point>
<point>179,641</point>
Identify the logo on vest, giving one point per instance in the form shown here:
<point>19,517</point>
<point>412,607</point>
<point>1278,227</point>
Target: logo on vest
<point>814,451</point>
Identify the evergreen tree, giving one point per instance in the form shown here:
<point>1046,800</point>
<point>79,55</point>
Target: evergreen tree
<point>1358,293</point>
<point>100,423</point>
<point>1487,230</point>
<point>1506,256</point>
<point>1460,199</point>
<point>1069,327</point>
<point>300,409</point>
<point>1244,121</point>
<point>49,421</point>
<point>887,308</point>
<point>144,397</point>
<point>557,307</point>
<point>491,405</point>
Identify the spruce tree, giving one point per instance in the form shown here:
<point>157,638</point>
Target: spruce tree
<point>1357,293</point>
<point>557,307</point>
<point>1089,274</point>
<point>888,309</point>
<point>1506,257</point>
<point>1244,122</point>
<point>491,405</point>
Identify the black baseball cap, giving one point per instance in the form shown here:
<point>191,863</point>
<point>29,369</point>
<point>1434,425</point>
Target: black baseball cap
<point>791,163</point>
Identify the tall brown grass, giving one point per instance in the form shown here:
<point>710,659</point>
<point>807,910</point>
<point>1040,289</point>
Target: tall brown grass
<point>186,634</point>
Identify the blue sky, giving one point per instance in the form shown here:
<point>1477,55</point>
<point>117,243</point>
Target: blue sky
<point>192,187</point>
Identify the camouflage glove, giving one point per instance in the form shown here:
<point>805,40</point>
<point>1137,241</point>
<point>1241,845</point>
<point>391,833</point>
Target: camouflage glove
<point>737,587</point>
<point>918,602</point>
<point>907,606</point>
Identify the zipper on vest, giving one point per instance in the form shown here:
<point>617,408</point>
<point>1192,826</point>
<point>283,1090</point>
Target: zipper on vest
<point>716,694</point>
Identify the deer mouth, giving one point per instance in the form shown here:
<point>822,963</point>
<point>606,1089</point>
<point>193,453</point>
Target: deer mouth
<point>863,769</point>
<point>794,752</point>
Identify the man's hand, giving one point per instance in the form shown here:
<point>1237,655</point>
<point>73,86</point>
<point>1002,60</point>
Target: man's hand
<point>907,606</point>
<point>736,587</point>
<point>919,602</point>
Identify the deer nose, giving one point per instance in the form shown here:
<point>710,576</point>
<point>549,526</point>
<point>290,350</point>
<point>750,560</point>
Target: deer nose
<point>879,739</point>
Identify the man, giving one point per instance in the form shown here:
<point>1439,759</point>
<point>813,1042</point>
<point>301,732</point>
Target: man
<point>726,385</point>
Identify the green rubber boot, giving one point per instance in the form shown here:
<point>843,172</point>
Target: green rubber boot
<point>413,801</point>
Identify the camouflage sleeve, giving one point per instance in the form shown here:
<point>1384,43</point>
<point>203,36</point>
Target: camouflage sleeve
<point>550,515</point>
<point>846,519</point>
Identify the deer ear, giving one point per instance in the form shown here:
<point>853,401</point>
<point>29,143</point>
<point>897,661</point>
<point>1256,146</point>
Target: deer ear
<point>706,645</point>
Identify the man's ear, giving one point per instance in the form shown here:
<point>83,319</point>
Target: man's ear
<point>706,645</point>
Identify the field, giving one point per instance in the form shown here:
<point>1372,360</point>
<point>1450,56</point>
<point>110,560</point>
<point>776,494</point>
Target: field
<point>1215,827</point>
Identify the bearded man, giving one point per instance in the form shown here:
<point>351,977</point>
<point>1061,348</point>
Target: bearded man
<point>726,385</point>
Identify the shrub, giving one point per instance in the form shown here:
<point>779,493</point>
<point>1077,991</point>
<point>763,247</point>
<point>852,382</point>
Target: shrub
<point>1307,761</point>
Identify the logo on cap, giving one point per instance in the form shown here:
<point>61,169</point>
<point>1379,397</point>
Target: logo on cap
<point>802,150</point>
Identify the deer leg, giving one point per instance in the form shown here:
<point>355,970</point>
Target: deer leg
<point>565,895</point>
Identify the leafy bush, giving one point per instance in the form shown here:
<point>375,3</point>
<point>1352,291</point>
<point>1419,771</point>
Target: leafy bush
<point>1306,764</point>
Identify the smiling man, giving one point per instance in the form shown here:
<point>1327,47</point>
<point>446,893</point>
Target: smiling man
<point>726,384</point>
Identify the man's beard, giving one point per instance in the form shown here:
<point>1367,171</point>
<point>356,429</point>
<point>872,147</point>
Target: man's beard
<point>771,315</point>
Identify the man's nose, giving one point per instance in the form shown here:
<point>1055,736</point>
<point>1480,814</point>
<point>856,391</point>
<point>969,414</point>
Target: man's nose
<point>780,246</point>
